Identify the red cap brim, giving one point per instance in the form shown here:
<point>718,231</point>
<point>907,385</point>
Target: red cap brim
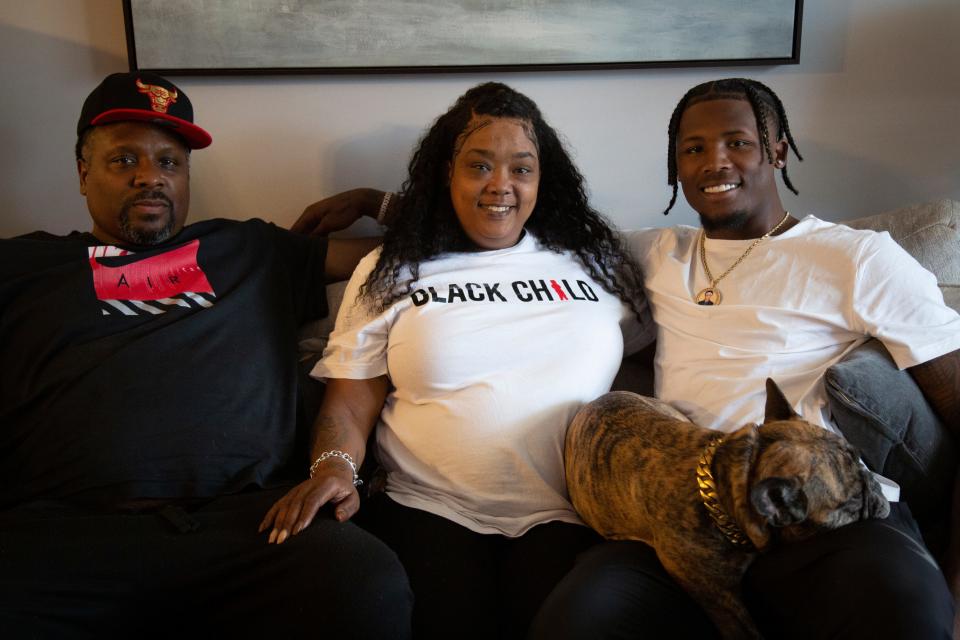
<point>196,137</point>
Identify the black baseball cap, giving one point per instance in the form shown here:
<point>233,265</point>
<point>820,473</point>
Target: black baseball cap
<point>145,97</point>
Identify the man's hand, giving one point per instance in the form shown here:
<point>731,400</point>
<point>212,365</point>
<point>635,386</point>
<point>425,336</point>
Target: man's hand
<point>338,212</point>
<point>291,514</point>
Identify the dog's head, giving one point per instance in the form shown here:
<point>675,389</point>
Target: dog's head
<point>802,478</point>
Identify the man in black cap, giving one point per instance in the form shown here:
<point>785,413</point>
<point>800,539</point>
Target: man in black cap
<point>149,408</point>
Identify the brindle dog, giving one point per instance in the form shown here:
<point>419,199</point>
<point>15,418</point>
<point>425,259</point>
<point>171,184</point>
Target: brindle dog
<point>632,472</point>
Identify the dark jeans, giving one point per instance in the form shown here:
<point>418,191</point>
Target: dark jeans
<point>872,579</point>
<point>620,590</point>
<point>72,572</point>
<point>474,585</point>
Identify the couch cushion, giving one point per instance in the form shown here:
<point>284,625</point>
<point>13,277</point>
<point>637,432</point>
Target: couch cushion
<point>931,234</point>
<point>883,413</point>
<point>313,335</point>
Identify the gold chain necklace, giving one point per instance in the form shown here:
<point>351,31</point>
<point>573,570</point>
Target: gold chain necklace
<point>711,296</point>
<point>711,501</point>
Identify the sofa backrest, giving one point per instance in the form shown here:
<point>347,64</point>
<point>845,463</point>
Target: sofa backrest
<point>931,234</point>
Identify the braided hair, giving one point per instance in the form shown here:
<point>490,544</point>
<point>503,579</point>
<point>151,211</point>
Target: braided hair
<point>765,104</point>
<point>425,225</point>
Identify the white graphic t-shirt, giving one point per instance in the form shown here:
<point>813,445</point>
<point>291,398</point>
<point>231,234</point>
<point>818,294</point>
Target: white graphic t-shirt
<point>490,357</point>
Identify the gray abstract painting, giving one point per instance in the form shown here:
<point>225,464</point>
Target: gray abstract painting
<point>252,34</point>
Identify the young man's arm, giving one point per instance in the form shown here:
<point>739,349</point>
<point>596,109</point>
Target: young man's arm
<point>939,380</point>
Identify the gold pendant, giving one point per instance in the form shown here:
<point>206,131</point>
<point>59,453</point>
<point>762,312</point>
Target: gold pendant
<point>709,297</point>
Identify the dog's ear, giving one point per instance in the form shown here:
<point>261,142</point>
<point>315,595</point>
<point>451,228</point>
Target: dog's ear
<point>778,408</point>
<point>780,501</point>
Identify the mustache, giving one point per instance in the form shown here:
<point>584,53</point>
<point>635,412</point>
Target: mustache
<point>148,195</point>
<point>134,233</point>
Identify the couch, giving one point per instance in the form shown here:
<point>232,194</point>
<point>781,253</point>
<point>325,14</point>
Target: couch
<point>879,409</point>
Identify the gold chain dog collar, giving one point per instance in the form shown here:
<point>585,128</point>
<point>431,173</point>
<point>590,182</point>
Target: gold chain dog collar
<point>710,499</point>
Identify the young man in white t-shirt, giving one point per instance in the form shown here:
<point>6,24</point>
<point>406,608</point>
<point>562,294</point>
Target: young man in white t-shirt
<point>758,293</point>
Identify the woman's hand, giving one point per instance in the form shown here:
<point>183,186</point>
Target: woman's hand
<point>291,514</point>
<point>347,416</point>
<point>338,211</point>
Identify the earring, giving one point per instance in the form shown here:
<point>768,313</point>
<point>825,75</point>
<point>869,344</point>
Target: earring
<point>778,164</point>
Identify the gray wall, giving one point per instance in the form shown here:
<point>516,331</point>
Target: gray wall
<point>874,105</point>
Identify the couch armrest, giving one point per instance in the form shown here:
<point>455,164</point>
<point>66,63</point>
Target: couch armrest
<point>313,335</point>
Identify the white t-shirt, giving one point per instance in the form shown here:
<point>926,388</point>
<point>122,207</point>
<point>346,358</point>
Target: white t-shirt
<point>796,305</point>
<point>490,358</point>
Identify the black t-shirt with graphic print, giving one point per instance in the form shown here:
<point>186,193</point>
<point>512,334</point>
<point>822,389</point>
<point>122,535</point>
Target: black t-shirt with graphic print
<point>168,372</point>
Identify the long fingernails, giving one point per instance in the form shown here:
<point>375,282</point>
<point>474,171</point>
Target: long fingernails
<point>273,537</point>
<point>283,536</point>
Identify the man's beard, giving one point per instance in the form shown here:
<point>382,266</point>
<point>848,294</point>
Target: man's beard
<point>732,222</point>
<point>135,235</point>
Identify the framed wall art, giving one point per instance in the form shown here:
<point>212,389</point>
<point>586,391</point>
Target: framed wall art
<point>202,37</point>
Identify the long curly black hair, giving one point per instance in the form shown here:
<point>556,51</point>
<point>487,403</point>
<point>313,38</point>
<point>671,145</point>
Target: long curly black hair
<point>425,225</point>
<point>765,104</point>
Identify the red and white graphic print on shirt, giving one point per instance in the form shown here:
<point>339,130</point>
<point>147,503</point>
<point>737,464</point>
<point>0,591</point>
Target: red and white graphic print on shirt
<point>150,285</point>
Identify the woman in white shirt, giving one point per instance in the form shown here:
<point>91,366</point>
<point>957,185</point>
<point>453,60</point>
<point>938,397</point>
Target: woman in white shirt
<point>499,303</point>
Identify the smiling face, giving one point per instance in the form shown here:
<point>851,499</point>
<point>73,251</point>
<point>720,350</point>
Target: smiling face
<point>724,172</point>
<point>136,178</point>
<point>494,176</point>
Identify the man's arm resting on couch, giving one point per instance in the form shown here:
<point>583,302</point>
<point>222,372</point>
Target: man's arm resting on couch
<point>939,379</point>
<point>335,214</point>
<point>341,210</point>
<point>343,255</point>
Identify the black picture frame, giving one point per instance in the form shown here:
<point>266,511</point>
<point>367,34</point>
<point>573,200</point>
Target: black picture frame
<point>168,36</point>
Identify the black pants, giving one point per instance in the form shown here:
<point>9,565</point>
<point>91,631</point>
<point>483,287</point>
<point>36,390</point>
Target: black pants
<point>620,590</point>
<point>70,572</point>
<point>872,579</point>
<point>472,585</point>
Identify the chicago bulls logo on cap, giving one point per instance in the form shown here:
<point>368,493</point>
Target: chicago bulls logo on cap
<point>160,98</point>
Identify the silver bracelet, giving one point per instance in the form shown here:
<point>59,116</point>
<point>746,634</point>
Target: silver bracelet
<point>343,455</point>
<point>382,214</point>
